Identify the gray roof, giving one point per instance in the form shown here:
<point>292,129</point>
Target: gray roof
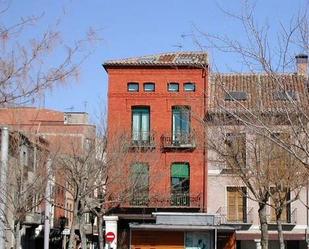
<point>191,59</point>
<point>153,227</point>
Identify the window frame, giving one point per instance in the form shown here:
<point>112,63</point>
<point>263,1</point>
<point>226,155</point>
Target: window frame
<point>138,110</point>
<point>170,84</point>
<point>235,96</point>
<point>243,191</point>
<point>140,196</point>
<point>184,111</point>
<point>132,83</point>
<point>180,195</point>
<point>229,136</point>
<point>187,84</point>
<point>149,83</point>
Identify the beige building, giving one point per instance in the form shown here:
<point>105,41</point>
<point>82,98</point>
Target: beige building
<point>232,96</point>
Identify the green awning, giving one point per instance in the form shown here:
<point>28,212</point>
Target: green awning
<point>180,170</point>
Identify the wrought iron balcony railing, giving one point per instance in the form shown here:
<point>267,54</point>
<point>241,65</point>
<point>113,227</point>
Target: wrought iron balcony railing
<point>184,200</point>
<point>143,139</point>
<point>178,140</point>
<point>246,217</point>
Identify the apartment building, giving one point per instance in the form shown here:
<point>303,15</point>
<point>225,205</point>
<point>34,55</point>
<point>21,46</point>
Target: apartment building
<point>23,181</point>
<point>243,95</point>
<point>66,133</point>
<point>158,102</point>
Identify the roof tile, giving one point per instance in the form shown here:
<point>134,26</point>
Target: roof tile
<point>196,58</point>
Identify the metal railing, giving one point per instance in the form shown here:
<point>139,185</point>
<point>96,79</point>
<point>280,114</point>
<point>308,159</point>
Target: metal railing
<point>178,140</point>
<point>139,200</point>
<point>142,139</point>
<point>173,200</point>
<point>224,219</point>
<point>182,199</point>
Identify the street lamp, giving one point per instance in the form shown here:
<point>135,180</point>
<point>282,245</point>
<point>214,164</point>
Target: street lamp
<point>92,218</point>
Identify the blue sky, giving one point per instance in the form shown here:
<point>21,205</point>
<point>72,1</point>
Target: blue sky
<point>135,28</point>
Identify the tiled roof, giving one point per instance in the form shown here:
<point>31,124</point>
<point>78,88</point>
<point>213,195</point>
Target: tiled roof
<point>193,59</point>
<point>261,92</point>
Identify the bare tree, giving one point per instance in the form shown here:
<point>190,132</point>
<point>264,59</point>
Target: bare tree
<point>99,179</point>
<point>25,70</point>
<point>270,173</point>
<point>265,100</point>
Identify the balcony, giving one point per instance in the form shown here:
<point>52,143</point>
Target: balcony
<point>247,217</point>
<point>140,200</point>
<point>178,141</point>
<point>142,140</point>
<point>184,200</point>
<point>290,217</point>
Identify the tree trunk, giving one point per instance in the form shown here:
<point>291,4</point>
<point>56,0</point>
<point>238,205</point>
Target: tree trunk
<point>72,231</point>
<point>264,225</point>
<point>100,231</point>
<point>82,230</point>
<point>279,229</point>
<point>17,235</point>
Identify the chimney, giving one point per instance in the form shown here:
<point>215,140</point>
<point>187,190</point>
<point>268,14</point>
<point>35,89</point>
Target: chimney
<point>302,64</point>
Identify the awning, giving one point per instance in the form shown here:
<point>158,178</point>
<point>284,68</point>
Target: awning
<point>180,170</point>
<point>240,235</point>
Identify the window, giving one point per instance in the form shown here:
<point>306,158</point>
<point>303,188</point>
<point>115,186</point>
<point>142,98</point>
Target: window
<point>140,183</point>
<point>189,87</point>
<point>133,87</point>
<point>236,147</point>
<point>181,124</point>
<point>149,87</point>
<point>280,197</point>
<point>235,95</point>
<point>180,184</point>
<point>285,95</point>
<point>173,87</point>
<point>236,204</point>
<point>140,124</point>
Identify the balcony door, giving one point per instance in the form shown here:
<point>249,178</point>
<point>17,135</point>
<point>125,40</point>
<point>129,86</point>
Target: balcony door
<point>180,184</point>
<point>181,124</point>
<point>140,124</point>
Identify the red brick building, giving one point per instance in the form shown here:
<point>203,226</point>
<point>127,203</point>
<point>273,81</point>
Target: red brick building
<point>158,102</point>
<point>63,131</point>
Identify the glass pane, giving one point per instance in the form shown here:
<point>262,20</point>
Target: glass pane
<point>149,87</point>
<point>141,124</point>
<point>173,87</point>
<point>136,126</point>
<point>145,126</point>
<point>176,124</point>
<point>133,87</point>
<point>189,87</point>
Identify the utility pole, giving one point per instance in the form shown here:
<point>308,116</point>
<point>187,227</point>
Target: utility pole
<point>3,182</point>
<point>47,206</point>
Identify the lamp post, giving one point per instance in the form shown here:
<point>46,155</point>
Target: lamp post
<point>92,218</point>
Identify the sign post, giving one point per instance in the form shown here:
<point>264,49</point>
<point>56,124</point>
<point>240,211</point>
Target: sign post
<point>109,238</point>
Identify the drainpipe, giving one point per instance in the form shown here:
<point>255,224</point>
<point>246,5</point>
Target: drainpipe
<point>204,75</point>
<point>3,183</point>
<point>47,206</point>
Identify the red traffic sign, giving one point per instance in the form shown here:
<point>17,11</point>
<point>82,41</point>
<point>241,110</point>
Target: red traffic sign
<point>109,237</point>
